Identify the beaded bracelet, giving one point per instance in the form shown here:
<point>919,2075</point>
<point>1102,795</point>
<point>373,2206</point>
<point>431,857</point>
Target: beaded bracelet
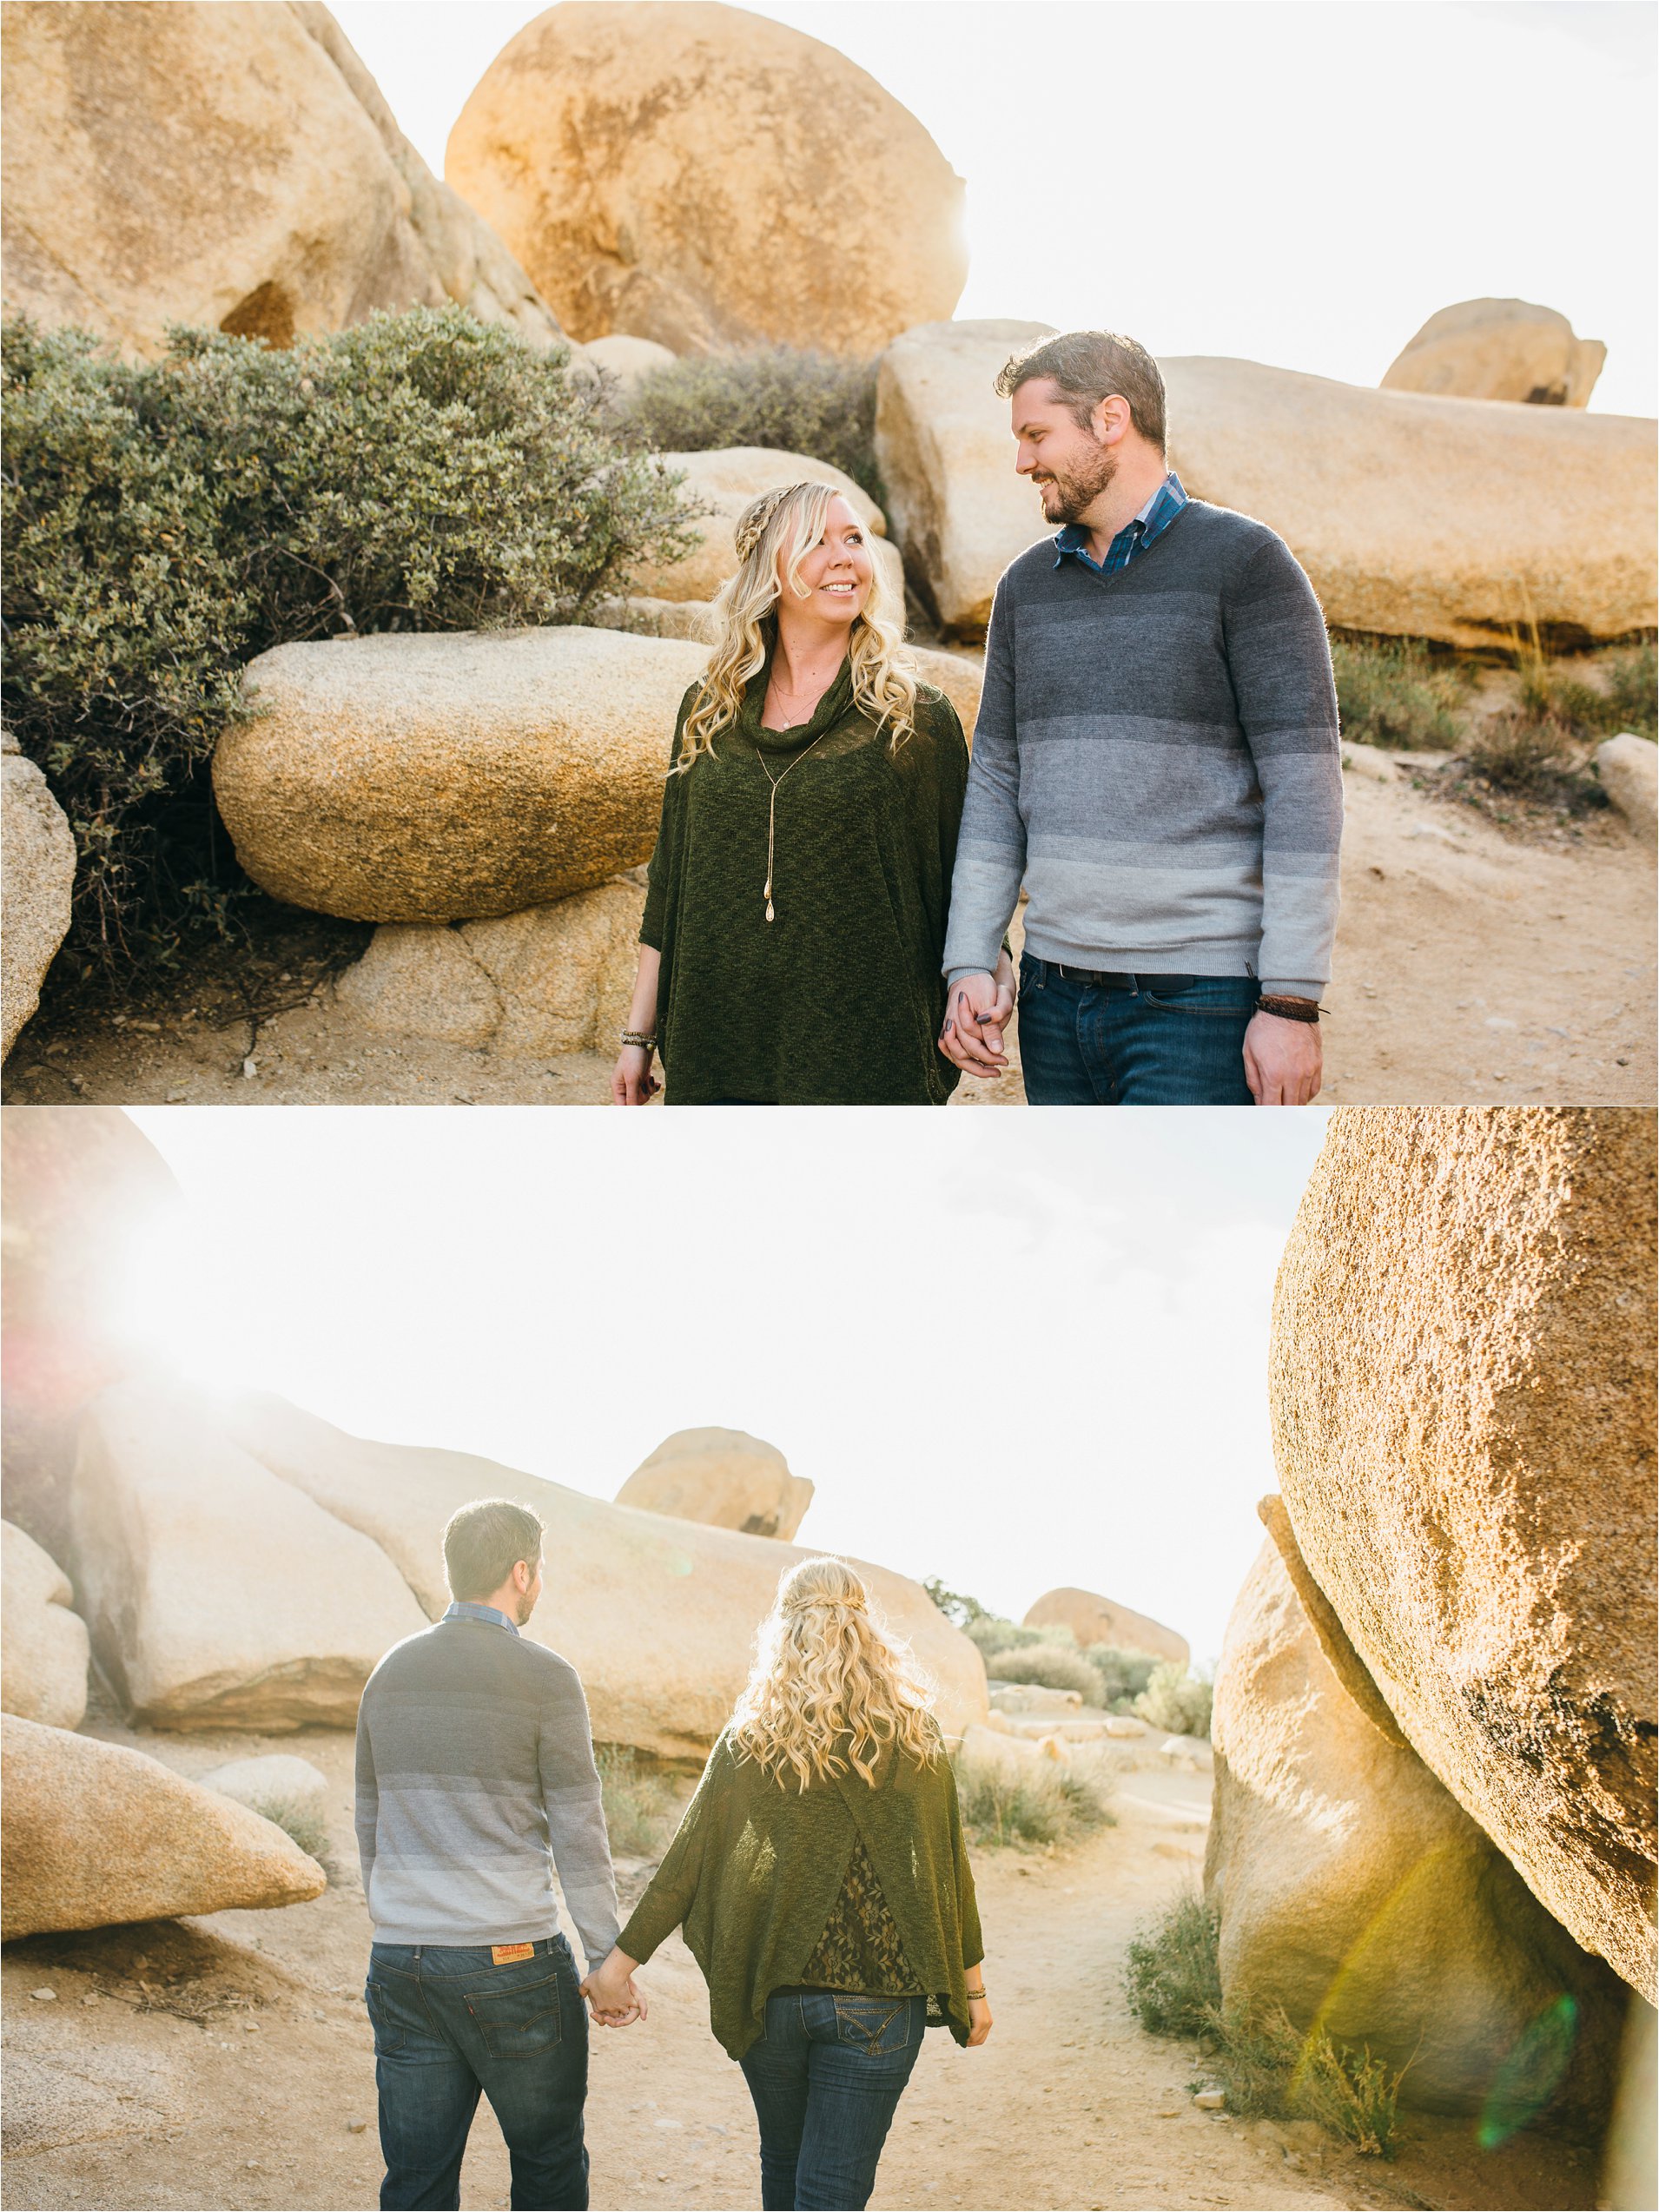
<point>638,1037</point>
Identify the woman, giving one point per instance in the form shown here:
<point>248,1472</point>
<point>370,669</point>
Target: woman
<point>822,1885</point>
<point>790,949</point>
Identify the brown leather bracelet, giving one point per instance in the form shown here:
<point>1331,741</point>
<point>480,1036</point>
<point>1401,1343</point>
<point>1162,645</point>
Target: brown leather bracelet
<point>1287,1009</point>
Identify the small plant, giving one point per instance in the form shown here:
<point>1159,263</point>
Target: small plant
<point>1170,1973</point>
<point>1052,1666</point>
<point>1535,757</point>
<point>298,1822</point>
<point>1632,677</point>
<point>639,1804</point>
<point>961,1610</point>
<point>1392,692</point>
<point>1177,1700</point>
<point>1123,1674</point>
<point>793,401</point>
<point>1044,1805</point>
<point>992,1634</point>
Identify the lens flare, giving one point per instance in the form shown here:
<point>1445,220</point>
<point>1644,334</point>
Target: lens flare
<point>1529,2075</point>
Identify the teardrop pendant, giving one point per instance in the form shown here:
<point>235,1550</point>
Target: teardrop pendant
<point>770,916</point>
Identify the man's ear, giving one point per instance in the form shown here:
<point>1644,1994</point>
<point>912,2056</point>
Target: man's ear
<point>1111,420</point>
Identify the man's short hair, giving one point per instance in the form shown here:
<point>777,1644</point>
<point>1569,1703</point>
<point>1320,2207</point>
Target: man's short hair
<point>484,1541</point>
<point>1088,366</point>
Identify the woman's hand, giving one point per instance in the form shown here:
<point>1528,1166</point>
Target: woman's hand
<point>610,1993</point>
<point>979,2021</point>
<point>631,1080</point>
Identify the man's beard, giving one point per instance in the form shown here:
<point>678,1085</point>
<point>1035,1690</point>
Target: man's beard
<point>1070,492</point>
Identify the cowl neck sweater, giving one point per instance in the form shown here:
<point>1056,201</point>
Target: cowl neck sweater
<point>839,999</point>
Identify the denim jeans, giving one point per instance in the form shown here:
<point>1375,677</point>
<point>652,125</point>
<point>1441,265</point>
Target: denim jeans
<point>1152,1040</point>
<point>448,2023</point>
<point>826,2078</point>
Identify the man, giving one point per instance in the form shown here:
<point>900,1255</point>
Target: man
<point>1156,759</point>
<point>473,1757</point>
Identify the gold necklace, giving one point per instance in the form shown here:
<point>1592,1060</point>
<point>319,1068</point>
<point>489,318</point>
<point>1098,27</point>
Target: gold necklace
<point>771,812</point>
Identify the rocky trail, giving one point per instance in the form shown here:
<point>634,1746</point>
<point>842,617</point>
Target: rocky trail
<point>1477,964</point>
<point>225,2062</point>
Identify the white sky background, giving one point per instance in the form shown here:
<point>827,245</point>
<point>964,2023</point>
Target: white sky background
<point>1302,183</point>
<point>1013,1366</point>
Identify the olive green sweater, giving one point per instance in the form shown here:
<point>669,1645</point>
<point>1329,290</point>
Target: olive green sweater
<point>756,1869</point>
<point>839,999</point>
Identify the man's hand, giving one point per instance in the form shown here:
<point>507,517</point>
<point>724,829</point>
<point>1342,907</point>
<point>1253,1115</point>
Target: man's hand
<point>977,1010</point>
<point>1284,1060</point>
<point>613,1997</point>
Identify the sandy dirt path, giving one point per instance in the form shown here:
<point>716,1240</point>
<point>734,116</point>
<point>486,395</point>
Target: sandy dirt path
<point>266,2098</point>
<point>1475,965</point>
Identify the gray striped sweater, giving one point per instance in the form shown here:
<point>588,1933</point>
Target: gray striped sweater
<point>474,1761</point>
<point>1156,758</point>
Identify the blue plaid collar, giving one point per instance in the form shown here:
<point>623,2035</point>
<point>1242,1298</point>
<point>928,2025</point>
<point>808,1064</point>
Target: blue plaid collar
<point>1152,521</point>
<point>467,1609</point>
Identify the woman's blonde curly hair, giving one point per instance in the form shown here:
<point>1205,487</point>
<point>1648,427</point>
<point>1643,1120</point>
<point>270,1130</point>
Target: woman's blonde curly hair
<point>775,533</point>
<point>831,1688</point>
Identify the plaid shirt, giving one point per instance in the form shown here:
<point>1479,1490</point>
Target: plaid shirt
<point>1156,516</point>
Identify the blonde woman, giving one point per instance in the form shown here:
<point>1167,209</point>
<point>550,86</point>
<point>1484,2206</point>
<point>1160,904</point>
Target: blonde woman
<point>821,1882</point>
<point>793,936</point>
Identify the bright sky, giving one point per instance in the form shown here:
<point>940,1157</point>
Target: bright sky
<point>1297,182</point>
<point>1014,1367</point>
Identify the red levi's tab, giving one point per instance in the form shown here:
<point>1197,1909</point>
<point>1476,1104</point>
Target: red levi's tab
<point>503,1954</point>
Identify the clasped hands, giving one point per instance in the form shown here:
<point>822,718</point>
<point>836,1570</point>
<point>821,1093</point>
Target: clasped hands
<point>977,1011</point>
<point>613,1997</point>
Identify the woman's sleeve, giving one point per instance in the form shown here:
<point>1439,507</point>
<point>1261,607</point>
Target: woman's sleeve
<point>938,792</point>
<point>668,1898</point>
<point>967,1900</point>
<point>664,861</point>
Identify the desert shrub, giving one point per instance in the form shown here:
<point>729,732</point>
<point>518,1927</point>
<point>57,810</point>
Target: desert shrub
<point>298,1822</point>
<point>1533,757</point>
<point>639,1804</point>
<point>961,1610</point>
<point>1631,674</point>
<point>1042,1805</point>
<point>166,520</point>
<point>1052,1666</point>
<point>992,1634</point>
<point>793,401</point>
<point>1390,691</point>
<point>1170,1973</point>
<point>1177,1700</point>
<point>1123,1674</point>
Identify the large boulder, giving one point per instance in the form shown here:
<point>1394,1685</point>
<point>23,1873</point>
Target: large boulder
<point>1462,1389</point>
<point>82,1193</point>
<point>1628,767</point>
<point>43,1648</point>
<point>448,777</point>
<point>96,1834</point>
<point>1355,1892</point>
<point>554,979</point>
<point>36,881</point>
<point>1424,517</point>
<point>657,1616</point>
<point>229,164</point>
<point>727,479</point>
<point>219,1596</point>
<point>957,508</point>
<point>666,171</point>
<point>1095,1620</point>
<point>627,359</point>
<point>1500,349</point>
<point>722,1476</point>
<point>276,1782</point>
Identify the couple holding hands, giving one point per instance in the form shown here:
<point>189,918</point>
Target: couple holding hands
<point>1155,760</point>
<point>819,1876</point>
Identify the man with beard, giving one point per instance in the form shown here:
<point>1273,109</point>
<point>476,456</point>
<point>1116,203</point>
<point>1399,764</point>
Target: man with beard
<point>1156,760</point>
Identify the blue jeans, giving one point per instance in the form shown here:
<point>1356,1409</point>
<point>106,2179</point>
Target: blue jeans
<point>1143,1040</point>
<point>826,2078</point>
<point>448,2023</point>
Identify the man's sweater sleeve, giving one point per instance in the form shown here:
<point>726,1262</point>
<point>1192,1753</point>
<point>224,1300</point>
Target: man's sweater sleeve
<point>1279,658</point>
<point>366,1809</point>
<point>990,849</point>
<point>570,1788</point>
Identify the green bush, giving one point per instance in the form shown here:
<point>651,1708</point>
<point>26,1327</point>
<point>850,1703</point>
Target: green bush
<point>1123,1674</point>
<point>639,1804</point>
<point>1170,1973</point>
<point>1044,1804</point>
<point>1390,691</point>
<point>961,1610</point>
<point>794,402</point>
<point>167,520</point>
<point>1052,1666</point>
<point>992,1634</point>
<point>1177,1700</point>
<point>1632,677</point>
<point>298,1823</point>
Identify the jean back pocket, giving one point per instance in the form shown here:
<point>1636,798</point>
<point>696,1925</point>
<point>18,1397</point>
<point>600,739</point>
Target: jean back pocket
<point>518,2021</point>
<point>879,2025</point>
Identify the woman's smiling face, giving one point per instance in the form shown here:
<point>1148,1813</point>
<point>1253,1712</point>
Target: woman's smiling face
<point>833,579</point>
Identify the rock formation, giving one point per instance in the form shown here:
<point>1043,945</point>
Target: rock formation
<point>958,510</point>
<point>96,1834</point>
<point>1500,349</point>
<point>451,776</point>
<point>553,979</point>
<point>231,165</point>
<point>44,1649</point>
<point>81,1188</point>
<point>218,1596</point>
<point>659,1617</point>
<point>723,1477</point>
<point>1356,1892</point>
<point>37,881</point>
<point>670,172</point>
<point>723,482</point>
<point>1628,769</point>
<point>277,1781</point>
<point>628,359</point>
<point>1461,1390</point>
<point>1095,1620</point>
